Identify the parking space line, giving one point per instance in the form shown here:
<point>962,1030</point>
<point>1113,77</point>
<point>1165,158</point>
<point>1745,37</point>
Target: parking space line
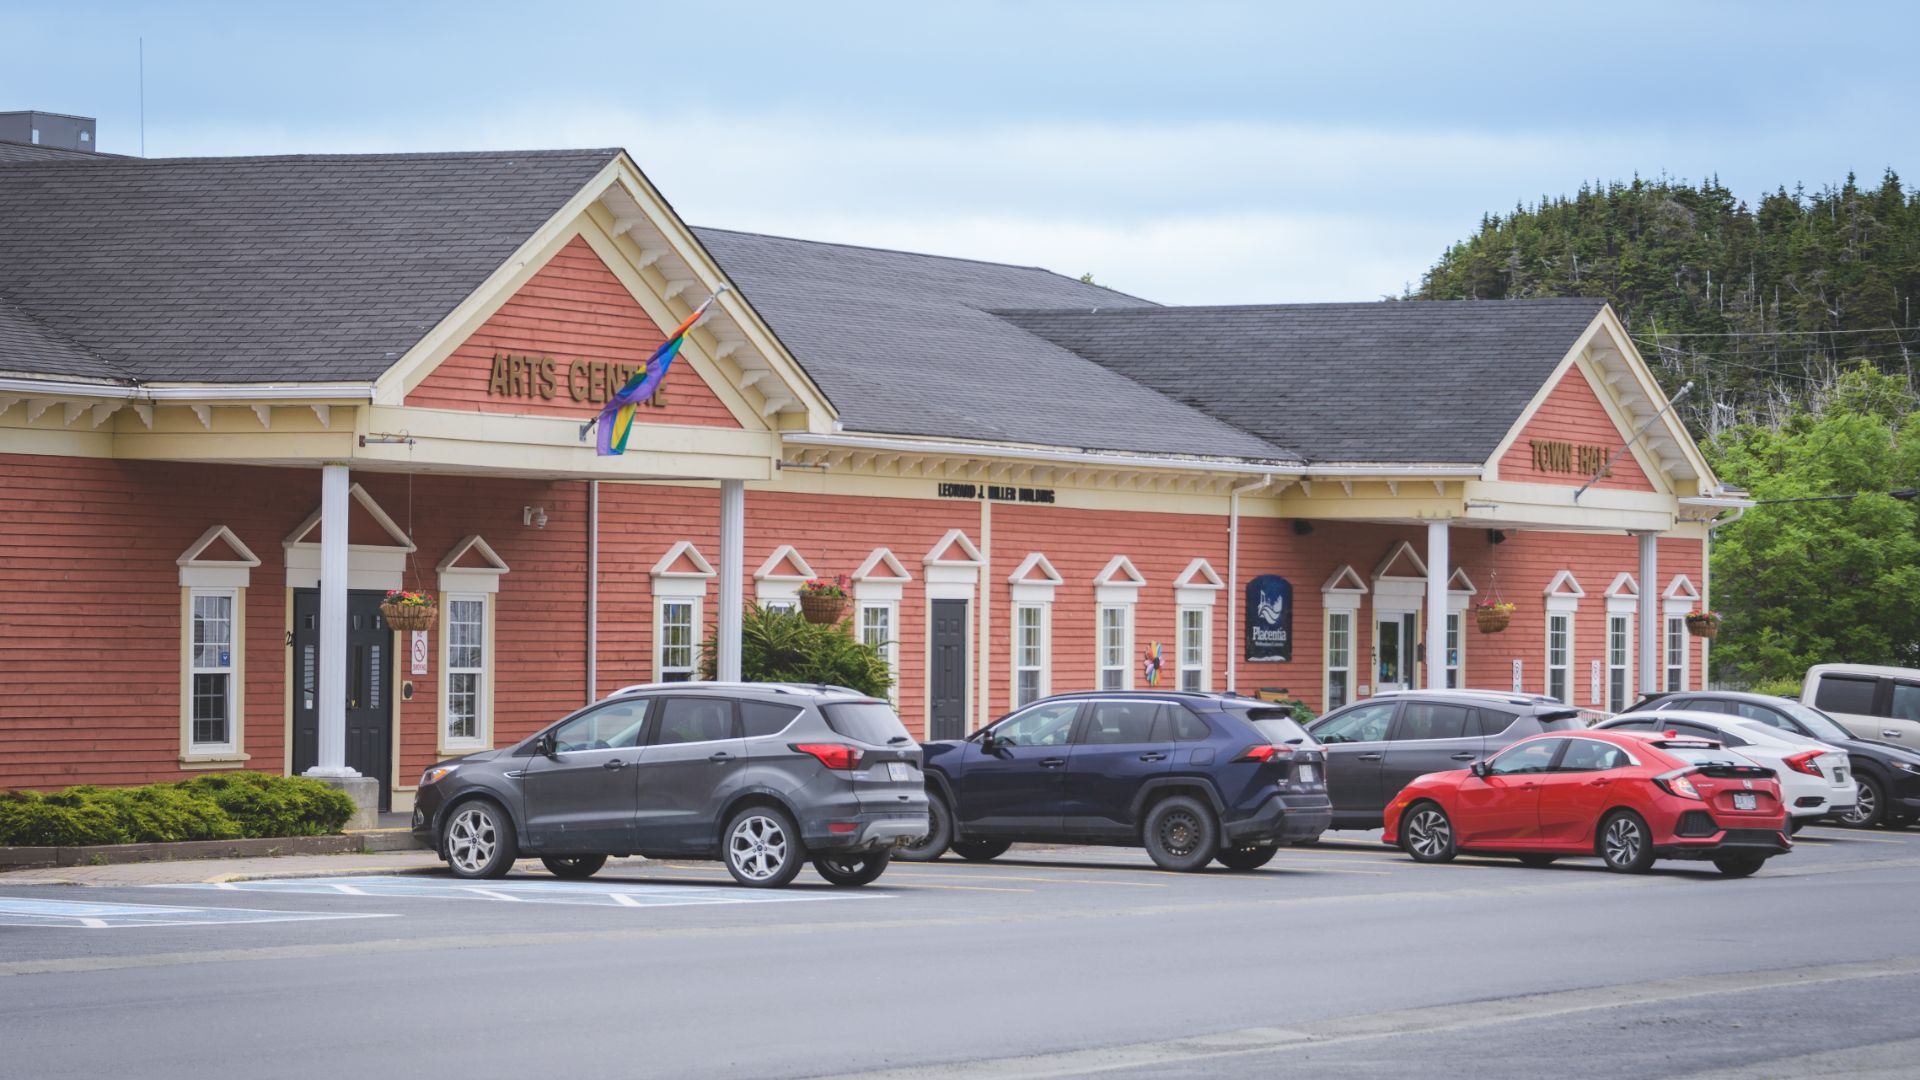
<point>88,915</point>
<point>1826,837</point>
<point>629,894</point>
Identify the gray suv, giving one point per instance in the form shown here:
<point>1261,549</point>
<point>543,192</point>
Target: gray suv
<point>762,776</point>
<point>1378,746</point>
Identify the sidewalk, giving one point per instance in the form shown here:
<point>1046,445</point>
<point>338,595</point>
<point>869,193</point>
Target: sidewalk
<point>217,870</point>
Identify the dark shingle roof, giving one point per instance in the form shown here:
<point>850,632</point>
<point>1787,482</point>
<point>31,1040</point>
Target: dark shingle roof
<point>29,346</point>
<point>305,268</point>
<point>1402,382</point>
<point>904,344</point>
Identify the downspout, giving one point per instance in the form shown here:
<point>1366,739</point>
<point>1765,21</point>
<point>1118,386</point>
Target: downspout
<point>593,591</point>
<point>1233,574</point>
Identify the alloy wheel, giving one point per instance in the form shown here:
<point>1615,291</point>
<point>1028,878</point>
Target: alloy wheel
<point>471,840</point>
<point>1429,834</point>
<point>758,847</point>
<point>1179,833</point>
<point>1623,841</point>
<point>1864,807</point>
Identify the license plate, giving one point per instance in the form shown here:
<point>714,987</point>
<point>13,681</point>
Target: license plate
<point>1839,776</point>
<point>1745,801</point>
<point>1305,774</point>
<point>899,770</point>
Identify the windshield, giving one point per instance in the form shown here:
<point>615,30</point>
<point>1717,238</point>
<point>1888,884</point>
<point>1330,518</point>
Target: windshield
<point>1277,725</point>
<point>870,722</point>
<point>1822,725</point>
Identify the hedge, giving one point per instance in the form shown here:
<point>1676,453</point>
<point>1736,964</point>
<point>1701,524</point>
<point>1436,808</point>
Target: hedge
<point>217,806</point>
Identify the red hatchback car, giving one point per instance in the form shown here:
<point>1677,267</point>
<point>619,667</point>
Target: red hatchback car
<point>1629,797</point>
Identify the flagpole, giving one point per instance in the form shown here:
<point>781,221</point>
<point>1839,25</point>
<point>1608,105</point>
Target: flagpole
<point>586,429</point>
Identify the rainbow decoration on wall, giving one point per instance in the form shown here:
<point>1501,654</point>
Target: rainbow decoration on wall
<point>1150,667</point>
<point>616,418</point>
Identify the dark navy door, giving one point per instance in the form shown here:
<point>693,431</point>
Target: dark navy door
<point>1116,749</point>
<point>948,677</point>
<point>1018,787</point>
<point>369,670</point>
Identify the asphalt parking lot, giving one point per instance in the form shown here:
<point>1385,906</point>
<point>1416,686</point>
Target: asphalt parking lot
<point>1344,959</point>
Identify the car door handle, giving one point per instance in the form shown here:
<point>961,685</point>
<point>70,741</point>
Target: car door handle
<point>1052,762</point>
<point>616,763</point>
<point>1368,757</point>
<point>1599,782</point>
<point>1153,757</point>
<point>719,756</point>
<point>1889,734</point>
<point>1465,757</point>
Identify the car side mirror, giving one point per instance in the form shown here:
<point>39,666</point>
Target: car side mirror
<point>987,743</point>
<point>546,745</point>
<point>1480,769</point>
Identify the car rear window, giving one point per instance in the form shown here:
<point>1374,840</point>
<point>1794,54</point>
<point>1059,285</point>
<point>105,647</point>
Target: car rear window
<point>1494,722</point>
<point>1696,756</point>
<point>1277,726</point>
<point>1838,694</point>
<point>1178,723</point>
<point>870,722</point>
<point>766,717</point>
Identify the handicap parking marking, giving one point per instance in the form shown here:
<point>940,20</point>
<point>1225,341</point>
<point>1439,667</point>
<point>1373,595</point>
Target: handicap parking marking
<point>25,911</point>
<point>620,894</point>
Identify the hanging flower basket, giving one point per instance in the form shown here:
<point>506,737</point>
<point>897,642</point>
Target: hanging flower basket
<point>823,601</point>
<point>409,610</point>
<point>1703,624</point>
<point>1493,616</point>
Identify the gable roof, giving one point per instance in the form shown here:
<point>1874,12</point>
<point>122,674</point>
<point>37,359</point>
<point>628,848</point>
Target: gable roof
<point>306,268</point>
<point>1426,382</point>
<point>904,344</point>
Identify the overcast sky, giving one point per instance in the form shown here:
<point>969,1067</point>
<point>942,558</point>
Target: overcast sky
<point>1190,153</point>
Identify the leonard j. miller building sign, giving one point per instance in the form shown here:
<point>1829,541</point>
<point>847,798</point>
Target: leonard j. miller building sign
<point>542,377</point>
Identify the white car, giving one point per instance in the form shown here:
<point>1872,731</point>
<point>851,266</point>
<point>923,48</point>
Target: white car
<point>1816,779</point>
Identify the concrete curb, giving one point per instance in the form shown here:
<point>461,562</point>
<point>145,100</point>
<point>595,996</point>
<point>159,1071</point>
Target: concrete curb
<point>33,858</point>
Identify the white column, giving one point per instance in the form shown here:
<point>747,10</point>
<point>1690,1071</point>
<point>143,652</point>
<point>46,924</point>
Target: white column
<point>1438,571</point>
<point>331,759</point>
<point>1651,628</point>
<point>733,569</point>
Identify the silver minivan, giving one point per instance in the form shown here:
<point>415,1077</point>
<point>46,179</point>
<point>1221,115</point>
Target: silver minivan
<point>1877,703</point>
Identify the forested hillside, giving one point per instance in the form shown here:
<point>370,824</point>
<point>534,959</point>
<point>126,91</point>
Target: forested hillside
<point>1760,305</point>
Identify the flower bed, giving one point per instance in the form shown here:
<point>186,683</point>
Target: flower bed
<point>217,806</point>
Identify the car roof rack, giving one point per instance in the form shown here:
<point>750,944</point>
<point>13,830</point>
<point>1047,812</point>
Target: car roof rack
<point>771,687</point>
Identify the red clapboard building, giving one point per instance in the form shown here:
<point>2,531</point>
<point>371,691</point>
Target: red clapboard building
<point>242,398</point>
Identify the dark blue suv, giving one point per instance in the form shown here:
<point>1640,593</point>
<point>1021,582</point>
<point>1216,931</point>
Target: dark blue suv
<point>1190,777</point>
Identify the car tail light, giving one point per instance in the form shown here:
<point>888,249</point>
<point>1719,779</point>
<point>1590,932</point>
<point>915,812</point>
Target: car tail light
<point>1265,753</point>
<point>1803,762</point>
<point>1677,783</point>
<point>832,755</point>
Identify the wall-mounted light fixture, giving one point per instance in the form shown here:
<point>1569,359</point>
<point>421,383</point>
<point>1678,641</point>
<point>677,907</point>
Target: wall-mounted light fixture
<point>535,516</point>
<point>1302,528</point>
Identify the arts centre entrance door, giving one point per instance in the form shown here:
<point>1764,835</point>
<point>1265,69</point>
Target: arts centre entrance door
<point>369,687</point>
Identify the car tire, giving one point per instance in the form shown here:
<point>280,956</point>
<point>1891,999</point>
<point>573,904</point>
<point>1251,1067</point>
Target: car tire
<point>477,840</point>
<point>939,834</point>
<point>980,850</point>
<point>1739,865</point>
<point>573,867</point>
<point>1625,843</point>
<point>762,848</point>
<point>1246,858</point>
<point>1426,833</point>
<point>1871,806</point>
<point>1535,862</point>
<point>1181,833</point>
<point>848,871</point>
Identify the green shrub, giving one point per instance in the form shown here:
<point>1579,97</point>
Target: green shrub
<point>1787,688</point>
<point>267,805</point>
<point>28,819</point>
<point>782,646</point>
<point>216,806</point>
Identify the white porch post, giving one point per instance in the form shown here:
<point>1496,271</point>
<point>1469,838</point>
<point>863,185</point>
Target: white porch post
<point>1438,572</point>
<point>331,756</point>
<point>1650,625</point>
<point>733,559</point>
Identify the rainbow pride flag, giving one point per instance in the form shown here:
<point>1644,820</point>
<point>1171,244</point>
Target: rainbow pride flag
<point>616,418</point>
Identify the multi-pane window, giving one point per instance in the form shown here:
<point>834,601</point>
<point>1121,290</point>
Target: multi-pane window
<point>876,629</point>
<point>1453,649</point>
<point>211,670</point>
<point>466,669</point>
<point>1676,652</point>
<point>1619,650</point>
<point>1559,655</point>
<point>676,641</point>
<point>781,604</point>
<point>1339,659</point>
<point>1193,648</point>
<point>1029,654</point>
<point>1113,648</point>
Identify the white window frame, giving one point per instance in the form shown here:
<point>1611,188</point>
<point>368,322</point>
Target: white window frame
<point>1195,590</point>
<point>1040,661</point>
<point>1341,596</point>
<point>230,669</point>
<point>661,671</point>
<point>679,586</point>
<point>1030,588</point>
<point>1623,602</point>
<point>1460,593</point>
<point>889,645</point>
<point>482,674</point>
<point>466,583</point>
<point>1116,588</point>
<point>1563,596</point>
<point>1619,661</point>
<point>879,583</point>
<point>229,578</point>
<point>1339,664</point>
<point>1564,620</point>
<point>1678,600</point>
<point>1199,619</point>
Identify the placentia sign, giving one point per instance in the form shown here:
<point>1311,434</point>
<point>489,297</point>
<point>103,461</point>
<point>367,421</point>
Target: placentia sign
<point>1269,618</point>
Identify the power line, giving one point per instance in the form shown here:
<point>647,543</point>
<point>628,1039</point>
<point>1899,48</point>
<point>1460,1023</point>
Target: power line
<point>1779,333</point>
<point>1897,493</point>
